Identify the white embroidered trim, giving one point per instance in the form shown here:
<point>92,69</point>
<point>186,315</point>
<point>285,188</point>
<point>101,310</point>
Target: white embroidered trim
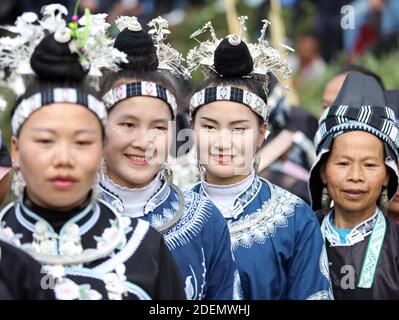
<point>320,295</point>
<point>262,224</point>
<point>131,247</point>
<point>356,235</point>
<point>191,223</point>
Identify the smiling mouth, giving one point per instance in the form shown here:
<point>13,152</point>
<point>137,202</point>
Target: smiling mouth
<point>140,161</point>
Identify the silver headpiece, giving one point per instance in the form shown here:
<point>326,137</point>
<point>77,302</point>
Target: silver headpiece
<point>265,58</point>
<point>169,58</point>
<point>88,39</point>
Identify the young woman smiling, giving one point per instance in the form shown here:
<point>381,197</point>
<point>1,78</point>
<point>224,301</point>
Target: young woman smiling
<point>275,236</point>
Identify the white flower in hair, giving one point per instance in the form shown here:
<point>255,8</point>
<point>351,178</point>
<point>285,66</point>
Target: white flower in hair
<point>130,22</point>
<point>169,58</point>
<point>24,25</point>
<point>15,52</point>
<point>92,44</point>
<point>98,24</point>
<point>100,52</point>
<point>53,17</point>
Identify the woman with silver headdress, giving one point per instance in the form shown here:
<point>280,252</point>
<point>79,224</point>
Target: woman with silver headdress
<point>275,236</point>
<point>87,249</point>
<point>141,105</point>
<point>351,182</point>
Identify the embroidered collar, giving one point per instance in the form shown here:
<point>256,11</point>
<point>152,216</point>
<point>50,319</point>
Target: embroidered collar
<point>84,216</point>
<point>356,235</point>
<point>242,193</point>
<point>152,196</point>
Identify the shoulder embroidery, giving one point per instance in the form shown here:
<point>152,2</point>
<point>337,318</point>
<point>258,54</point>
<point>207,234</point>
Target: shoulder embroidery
<point>320,295</point>
<point>263,224</point>
<point>197,213</point>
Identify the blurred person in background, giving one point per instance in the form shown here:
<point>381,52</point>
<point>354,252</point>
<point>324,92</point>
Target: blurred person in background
<point>5,168</point>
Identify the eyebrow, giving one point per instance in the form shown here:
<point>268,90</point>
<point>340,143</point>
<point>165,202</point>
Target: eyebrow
<point>130,116</point>
<point>362,159</point>
<point>85,131</point>
<point>231,123</point>
<point>239,121</point>
<point>44,129</point>
<point>52,131</point>
<point>209,119</point>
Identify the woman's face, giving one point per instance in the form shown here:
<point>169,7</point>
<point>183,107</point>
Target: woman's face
<point>227,137</point>
<point>58,151</point>
<point>355,173</point>
<point>137,137</point>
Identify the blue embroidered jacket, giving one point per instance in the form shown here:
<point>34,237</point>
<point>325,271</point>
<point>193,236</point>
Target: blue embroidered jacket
<point>277,244</point>
<point>199,242</point>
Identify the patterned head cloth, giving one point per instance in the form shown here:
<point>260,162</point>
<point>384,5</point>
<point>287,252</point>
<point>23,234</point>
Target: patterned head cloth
<point>360,105</point>
<point>392,98</point>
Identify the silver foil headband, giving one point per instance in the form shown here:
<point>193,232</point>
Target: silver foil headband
<point>227,93</point>
<point>57,95</point>
<point>137,89</point>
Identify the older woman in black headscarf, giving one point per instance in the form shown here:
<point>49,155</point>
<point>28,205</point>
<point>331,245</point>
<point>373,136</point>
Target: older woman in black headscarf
<point>352,180</point>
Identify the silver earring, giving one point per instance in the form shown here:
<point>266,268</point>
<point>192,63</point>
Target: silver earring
<point>384,200</point>
<point>95,192</point>
<point>167,171</point>
<point>325,201</point>
<point>17,184</point>
<point>256,162</point>
<point>101,171</point>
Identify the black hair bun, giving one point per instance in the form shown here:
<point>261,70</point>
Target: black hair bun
<point>54,61</point>
<point>140,50</point>
<point>233,61</point>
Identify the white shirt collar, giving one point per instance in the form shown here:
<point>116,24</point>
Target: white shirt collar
<point>225,196</point>
<point>134,199</point>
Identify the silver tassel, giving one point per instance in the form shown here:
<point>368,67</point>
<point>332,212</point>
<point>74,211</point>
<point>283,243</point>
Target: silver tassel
<point>384,201</point>
<point>325,201</point>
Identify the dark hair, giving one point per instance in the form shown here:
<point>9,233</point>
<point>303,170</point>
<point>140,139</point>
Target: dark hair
<point>54,61</point>
<point>139,48</point>
<point>142,61</point>
<point>234,65</point>
<point>233,61</point>
<point>55,66</point>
